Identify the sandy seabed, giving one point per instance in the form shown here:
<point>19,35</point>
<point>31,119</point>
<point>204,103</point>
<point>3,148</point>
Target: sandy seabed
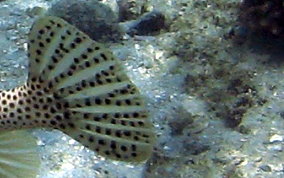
<point>217,107</point>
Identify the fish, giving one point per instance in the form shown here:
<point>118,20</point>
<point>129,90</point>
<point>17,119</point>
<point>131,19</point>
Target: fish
<point>19,157</point>
<point>77,86</point>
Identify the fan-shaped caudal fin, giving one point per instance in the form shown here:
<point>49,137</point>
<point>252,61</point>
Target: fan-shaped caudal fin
<point>91,97</point>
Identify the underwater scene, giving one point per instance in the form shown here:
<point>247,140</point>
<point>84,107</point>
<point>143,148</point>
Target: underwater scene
<point>142,88</point>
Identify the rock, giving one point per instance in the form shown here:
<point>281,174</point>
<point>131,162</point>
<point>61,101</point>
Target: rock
<point>276,138</point>
<point>92,17</point>
<point>149,24</point>
<point>265,168</point>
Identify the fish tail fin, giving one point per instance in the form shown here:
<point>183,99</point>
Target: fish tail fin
<point>18,154</point>
<point>91,98</point>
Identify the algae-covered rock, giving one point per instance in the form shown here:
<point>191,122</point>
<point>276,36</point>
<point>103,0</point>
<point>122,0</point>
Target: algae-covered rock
<point>92,17</point>
<point>130,9</point>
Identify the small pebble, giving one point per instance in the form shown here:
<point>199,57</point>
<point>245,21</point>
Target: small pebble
<point>275,138</point>
<point>265,168</point>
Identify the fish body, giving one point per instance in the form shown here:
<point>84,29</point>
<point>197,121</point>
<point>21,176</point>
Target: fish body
<point>77,86</point>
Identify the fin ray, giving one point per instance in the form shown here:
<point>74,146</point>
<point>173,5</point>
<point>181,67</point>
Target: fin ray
<point>18,158</point>
<point>108,109</point>
<point>83,74</point>
<point>65,62</point>
<point>92,92</point>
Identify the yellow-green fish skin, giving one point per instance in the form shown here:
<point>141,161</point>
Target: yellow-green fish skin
<point>27,106</point>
